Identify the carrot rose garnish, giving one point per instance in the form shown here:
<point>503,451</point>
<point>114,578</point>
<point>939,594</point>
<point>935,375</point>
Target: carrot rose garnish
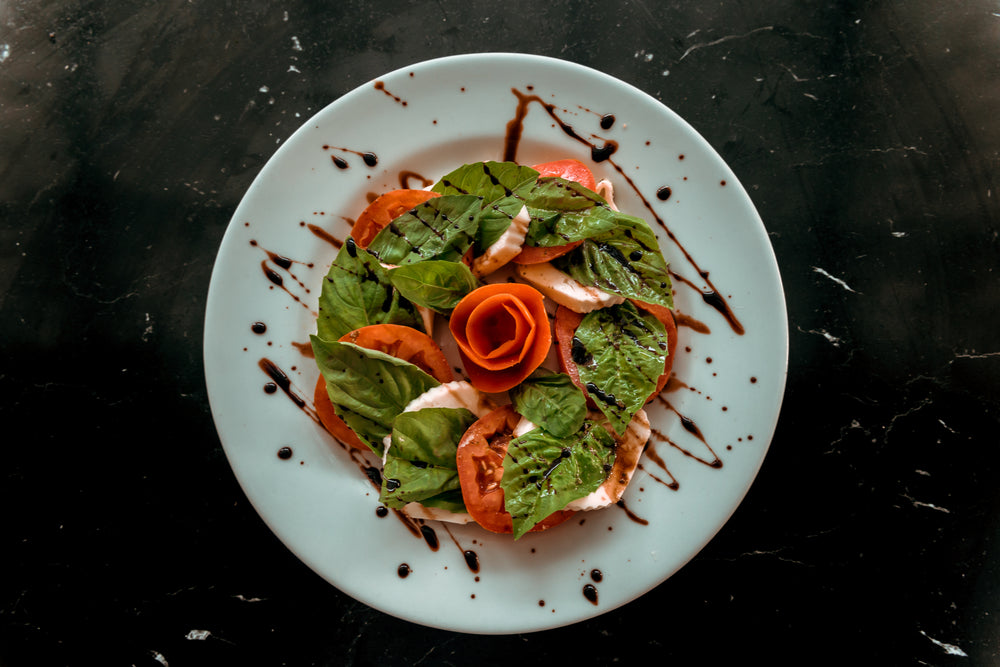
<point>503,334</point>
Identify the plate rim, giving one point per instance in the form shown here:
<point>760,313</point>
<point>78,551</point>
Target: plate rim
<point>272,164</point>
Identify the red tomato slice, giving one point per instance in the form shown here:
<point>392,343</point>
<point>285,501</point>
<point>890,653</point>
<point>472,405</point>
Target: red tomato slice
<point>401,342</point>
<point>666,317</point>
<point>404,343</point>
<point>532,255</point>
<point>567,321</point>
<point>480,470</point>
<point>571,170</point>
<point>331,422</point>
<point>383,210</point>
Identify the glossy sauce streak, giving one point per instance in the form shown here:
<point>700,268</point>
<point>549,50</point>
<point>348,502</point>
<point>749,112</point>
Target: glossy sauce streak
<point>692,428</point>
<point>470,556</point>
<point>515,128</point>
<point>406,176</point>
<point>632,515</point>
<point>273,267</point>
<point>590,592</point>
<point>654,456</point>
<point>379,85</point>
<point>684,320</point>
<point>369,158</point>
<point>321,233</point>
<point>279,378</point>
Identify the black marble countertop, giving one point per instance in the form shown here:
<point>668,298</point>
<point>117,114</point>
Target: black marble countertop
<point>866,135</point>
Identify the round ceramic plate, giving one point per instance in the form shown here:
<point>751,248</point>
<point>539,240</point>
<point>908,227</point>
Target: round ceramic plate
<point>712,425</point>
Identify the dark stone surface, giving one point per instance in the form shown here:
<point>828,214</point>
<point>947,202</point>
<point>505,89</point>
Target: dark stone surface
<point>866,135</point>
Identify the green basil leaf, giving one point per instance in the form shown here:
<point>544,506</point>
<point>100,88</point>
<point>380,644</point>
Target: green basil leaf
<point>626,261</point>
<point>435,284</point>
<point>503,187</point>
<point>564,211</point>
<point>440,228</point>
<point>542,473</point>
<point>357,292</point>
<point>624,353</point>
<point>420,463</point>
<point>551,401</point>
<point>368,389</point>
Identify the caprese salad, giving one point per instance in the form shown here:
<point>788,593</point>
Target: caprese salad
<point>560,308</point>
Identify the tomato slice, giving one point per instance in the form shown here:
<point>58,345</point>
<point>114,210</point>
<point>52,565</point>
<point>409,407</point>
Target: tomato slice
<point>571,170</point>
<point>567,321</point>
<point>404,343</point>
<point>383,210</point>
<point>666,317</point>
<point>331,421</point>
<point>480,471</point>
<point>399,341</point>
<point>532,255</point>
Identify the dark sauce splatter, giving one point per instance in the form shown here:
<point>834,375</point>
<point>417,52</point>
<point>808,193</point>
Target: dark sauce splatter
<point>663,193</point>
<point>321,233</point>
<point>632,515</point>
<point>590,592</point>
<point>403,571</point>
<point>258,328</point>
<point>430,537</point>
<point>285,453</point>
<point>379,85</point>
<point>381,511</point>
<point>406,176</point>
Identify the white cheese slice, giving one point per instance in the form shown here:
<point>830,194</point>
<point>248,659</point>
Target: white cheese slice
<point>523,427</point>
<point>630,447</point>
<point>505,248</point>
<point>458,394</point>
<point>607,191</point>
<point>564,290</point>
<point>418,511</point>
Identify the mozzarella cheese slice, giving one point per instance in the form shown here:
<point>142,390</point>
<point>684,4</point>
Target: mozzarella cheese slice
<point>418,511</point>
<point>458,394</point>
<point>607,191</point>
<point>564,290</point>
<point>505,248</point>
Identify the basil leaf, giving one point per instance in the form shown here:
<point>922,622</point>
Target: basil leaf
<point>551,401</point>
<point>357,292</point>
<point>624,353</point>
<point>368,389</point>
<point>503,187</point>
<point>564,211</point>
<point>542,473</point>
<point>440,228</point>
<point>625,261</point>
<point>420,463</point>
<point>435,284</point>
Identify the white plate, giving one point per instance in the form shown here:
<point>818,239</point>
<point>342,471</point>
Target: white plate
<point>428,119</point>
